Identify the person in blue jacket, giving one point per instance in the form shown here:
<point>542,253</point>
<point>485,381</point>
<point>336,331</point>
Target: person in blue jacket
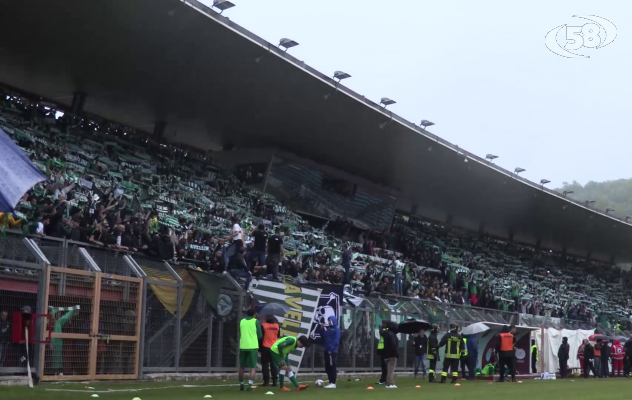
<point>331,335</point>
<point>472,355</point>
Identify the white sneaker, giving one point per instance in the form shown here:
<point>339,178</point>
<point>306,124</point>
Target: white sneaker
<point>331,386</point>
<point>391,387</point>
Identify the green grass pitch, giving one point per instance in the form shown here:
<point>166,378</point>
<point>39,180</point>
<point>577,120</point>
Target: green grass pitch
<point>574,389</point>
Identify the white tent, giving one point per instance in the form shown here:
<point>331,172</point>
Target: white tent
<point>553,340</point>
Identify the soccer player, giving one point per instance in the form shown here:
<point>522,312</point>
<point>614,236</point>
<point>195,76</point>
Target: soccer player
<point>280,351</point>
<point>249,336</point>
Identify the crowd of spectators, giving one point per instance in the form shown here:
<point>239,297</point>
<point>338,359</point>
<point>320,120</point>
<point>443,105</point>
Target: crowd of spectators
<point>112,187</point>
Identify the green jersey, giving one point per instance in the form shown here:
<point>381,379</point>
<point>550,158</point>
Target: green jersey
<point>284,346</point>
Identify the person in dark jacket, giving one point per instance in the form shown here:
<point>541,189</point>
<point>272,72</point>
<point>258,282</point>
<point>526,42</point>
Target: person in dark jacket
<point>238,268</point>
<point>331,335</point>
<point>589,353</point>
<point>5,335</point>
<point>627,361</point>
<point>562,355</point>
<point>346,264</point>
<point>605,356</point>
<point>390,353</point>
<point>472,353</point>
<point>420,344</point>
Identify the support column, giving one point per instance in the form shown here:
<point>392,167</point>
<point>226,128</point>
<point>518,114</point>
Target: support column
<point>159,129</point>
<point>481,228</point>
<point>448,221</point>
<point>78,102</point>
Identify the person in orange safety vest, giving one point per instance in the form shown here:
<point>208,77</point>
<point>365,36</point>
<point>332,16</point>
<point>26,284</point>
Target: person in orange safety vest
<point>271,333</point>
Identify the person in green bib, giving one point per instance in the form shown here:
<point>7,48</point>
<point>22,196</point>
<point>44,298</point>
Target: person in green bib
<point>380,350</point>
<point>249,335</point>
<point>280,351</point>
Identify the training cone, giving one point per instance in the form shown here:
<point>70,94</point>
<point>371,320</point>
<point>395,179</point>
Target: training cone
<point>95,395</point>
<point>269,393</point>
<point>457,384</point>
<point>136,398</point>
<point>490,383</point>
<point>417,386</point>
<point>369,388</point>
<point>88,387</point>
<point>519,381</point>
<point>208,396</point>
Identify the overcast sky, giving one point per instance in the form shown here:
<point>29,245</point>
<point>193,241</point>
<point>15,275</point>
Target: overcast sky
<point>478,69</point>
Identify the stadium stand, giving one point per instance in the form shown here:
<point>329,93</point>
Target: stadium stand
<point>113,187</point>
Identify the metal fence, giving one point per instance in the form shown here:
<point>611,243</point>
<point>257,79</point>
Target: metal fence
<point>152,314</point>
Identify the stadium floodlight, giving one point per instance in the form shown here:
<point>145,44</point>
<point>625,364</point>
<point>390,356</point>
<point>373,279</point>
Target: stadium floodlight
<point>609,209</point>
<point>222,5</point>
<point>589,202</point>
<point>491,157</point>
<point>287,43</point>
<point>425,123</point>
<point>340,75</point>
<point>519,170</point>
<point>544,181</point>
<point>567,192</point>
<point>387,102</point>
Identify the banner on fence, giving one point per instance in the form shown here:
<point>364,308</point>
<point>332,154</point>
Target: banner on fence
<point>303,303</point>
<point>329,305</point>
<point>210,286</point>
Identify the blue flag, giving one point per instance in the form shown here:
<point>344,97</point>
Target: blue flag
<point>17,174</point>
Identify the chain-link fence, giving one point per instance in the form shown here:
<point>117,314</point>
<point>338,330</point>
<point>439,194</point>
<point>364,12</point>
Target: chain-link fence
<point>177,329</point>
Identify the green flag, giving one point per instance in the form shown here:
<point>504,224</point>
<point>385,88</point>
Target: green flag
<point>210,285</point>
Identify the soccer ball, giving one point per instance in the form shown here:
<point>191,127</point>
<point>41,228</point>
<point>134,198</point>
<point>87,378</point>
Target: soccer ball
<point>320,383</point>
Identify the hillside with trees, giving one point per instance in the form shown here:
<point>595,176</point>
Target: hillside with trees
<point>615,195</point>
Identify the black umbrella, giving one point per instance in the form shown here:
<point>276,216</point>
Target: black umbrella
<point>273,309</point>
<point>412,326</point>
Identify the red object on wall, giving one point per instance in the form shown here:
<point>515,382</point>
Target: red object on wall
<point>22,320</point>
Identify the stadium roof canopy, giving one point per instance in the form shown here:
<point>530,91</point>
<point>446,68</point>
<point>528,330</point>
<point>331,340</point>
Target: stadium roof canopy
<point>143,61</point>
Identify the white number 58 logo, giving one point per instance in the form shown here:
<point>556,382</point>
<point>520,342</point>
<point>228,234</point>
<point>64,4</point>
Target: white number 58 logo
<point>591,35</point>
